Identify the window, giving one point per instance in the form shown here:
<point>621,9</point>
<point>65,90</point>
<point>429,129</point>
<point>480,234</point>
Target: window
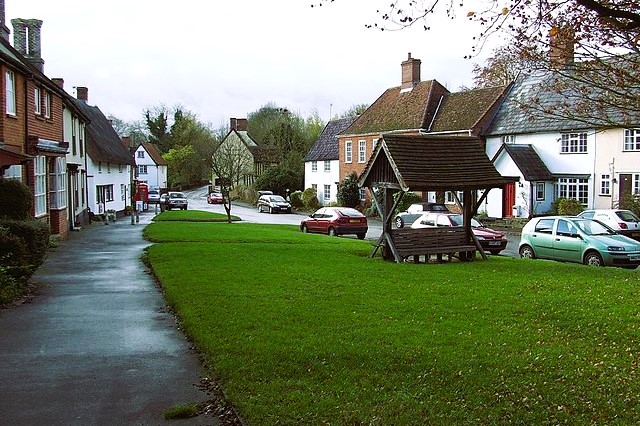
<point>108,167</point>
<point>636,184</point>
<point>14,172</point>
<point>605,185</point>
<point>123,191</point>
<point>545,226</point>
<point>57,183</point>
<point>362,151</point>
<point>74,132</point>
<point>104,193</point>
<point>508,139</point>
<point>10,92</point>
<point>632,140</point>
<point>348,152</point>
<point>363,193</point>
<point>40,185</point>
<point>81,138</point>
<point>119,168</point>
<point>572,143</point>
<point>142,170</point>
<point>574,188</point>
<point>540,191</point>
<point>46,107</point>
<point>327,192</point>
<point>37,99</point>
<point>314,166</point>
<point>375,143</point>
<point>450,199</point>
<point>140,154</point>
<point>99,166</point>
<point>327,165</point>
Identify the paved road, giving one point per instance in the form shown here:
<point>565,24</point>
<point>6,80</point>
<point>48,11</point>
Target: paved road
<point>198,201</point>
<point>96,346</point>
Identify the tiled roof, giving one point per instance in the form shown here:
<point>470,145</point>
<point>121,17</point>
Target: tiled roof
<point>528,162</point>
<point>103,143</point>
<point>426,163</point>
<point>523,110</point>
<point>326,146</point>
<point>154,154</point>
<point>400,110</point>
<point>465,110</point>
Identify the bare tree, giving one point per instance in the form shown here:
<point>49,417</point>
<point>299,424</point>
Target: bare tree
<point>229,164</point>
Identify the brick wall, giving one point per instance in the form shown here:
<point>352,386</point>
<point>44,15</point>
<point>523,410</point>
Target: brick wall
<point>58,223</point>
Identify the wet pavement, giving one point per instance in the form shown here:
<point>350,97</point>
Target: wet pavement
<point>96,345</point>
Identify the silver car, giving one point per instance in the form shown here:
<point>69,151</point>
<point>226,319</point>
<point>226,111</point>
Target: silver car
<point>623,221</point>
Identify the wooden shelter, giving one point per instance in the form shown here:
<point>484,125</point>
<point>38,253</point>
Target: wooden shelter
<point>428,163</point>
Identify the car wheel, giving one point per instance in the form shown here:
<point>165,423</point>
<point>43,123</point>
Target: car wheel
<point>495,252</point>
<point>593,259</point>
<point>332,232</point>
<point>399,222</point>
<point>526,252</point>
<point>305,229</point>
<point>361,236</point>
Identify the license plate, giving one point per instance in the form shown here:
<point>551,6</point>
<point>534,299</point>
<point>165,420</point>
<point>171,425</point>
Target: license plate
<point>354,220</point>
<point>634,258</point>
<point>635,234</point>
<point>494,243</point>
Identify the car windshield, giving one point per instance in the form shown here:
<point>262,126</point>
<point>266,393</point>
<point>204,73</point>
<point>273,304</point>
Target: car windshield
<point>176,195</point>
<point>457,220</point>
<point>278,199</point>
<point>593,227</point>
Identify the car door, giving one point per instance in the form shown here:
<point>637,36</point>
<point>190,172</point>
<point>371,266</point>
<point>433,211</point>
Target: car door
<point>314,224</point>
<point>542,238</point>
<point>567,244</point>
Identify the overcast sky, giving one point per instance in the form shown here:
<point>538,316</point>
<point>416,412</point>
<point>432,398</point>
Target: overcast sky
<point>222,59</point>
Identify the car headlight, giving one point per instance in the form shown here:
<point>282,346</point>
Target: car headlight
<point>480,238</point>
<point>615,248</point>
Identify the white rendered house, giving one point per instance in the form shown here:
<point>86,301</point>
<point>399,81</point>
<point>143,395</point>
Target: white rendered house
<point>151,167</point>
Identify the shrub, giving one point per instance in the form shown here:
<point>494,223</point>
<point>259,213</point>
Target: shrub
<point>408,199</point>
<point>296,200</point>
<point>567,206</point>
<point>34,236</point>
<point>349,191</point>
<point>17,200</point>
<point>310,199</point>
<point>630,202</point>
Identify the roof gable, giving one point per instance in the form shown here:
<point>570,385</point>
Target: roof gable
<point>527,160</point>
<point>465,111</point>
<point>154,153</point>
<point>326,146</point>
<point>398,109</point>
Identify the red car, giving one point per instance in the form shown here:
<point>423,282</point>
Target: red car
<point>492,241</point>
<point>336,221</point>
<point>215,198</point>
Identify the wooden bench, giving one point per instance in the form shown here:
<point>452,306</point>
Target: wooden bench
<point>409,242</point>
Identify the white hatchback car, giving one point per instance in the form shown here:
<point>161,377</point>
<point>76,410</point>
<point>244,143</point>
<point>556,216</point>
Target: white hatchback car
<point>623,221</point>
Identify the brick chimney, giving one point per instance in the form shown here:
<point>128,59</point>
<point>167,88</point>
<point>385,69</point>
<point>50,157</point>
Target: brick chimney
<point>410,73</point>
<point>82,93</point>
<point>59,82</point>
<point>561,48</point>
<point>26,40</point>
<point>239,124</point>
<point>4,31</point>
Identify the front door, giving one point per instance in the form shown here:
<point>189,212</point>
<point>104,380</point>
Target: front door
<point>508,199</point>
<point>625,186</point>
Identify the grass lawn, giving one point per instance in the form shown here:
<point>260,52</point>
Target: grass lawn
<point>307,329</point>
<point>192,216</point>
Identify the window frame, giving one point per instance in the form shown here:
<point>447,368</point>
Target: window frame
<point>142,169</point>
<point>631,141</point>
<point>605,185</point>
<point>40,185</point>
<point>58,183</point>
<point>314,166</point>
<point>326,195</point>
<point>10,93</point>
<point>540,189</point>
<point>574,143</point>
<point>574,188</point>
<point>47,105</point>
<point>327,166</point>
<point>362,151</point>
<point>37,99</point>
<point>348,152</point>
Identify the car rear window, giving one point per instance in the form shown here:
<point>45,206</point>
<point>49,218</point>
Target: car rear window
<point>350,212</point>
<point>627,216</point>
